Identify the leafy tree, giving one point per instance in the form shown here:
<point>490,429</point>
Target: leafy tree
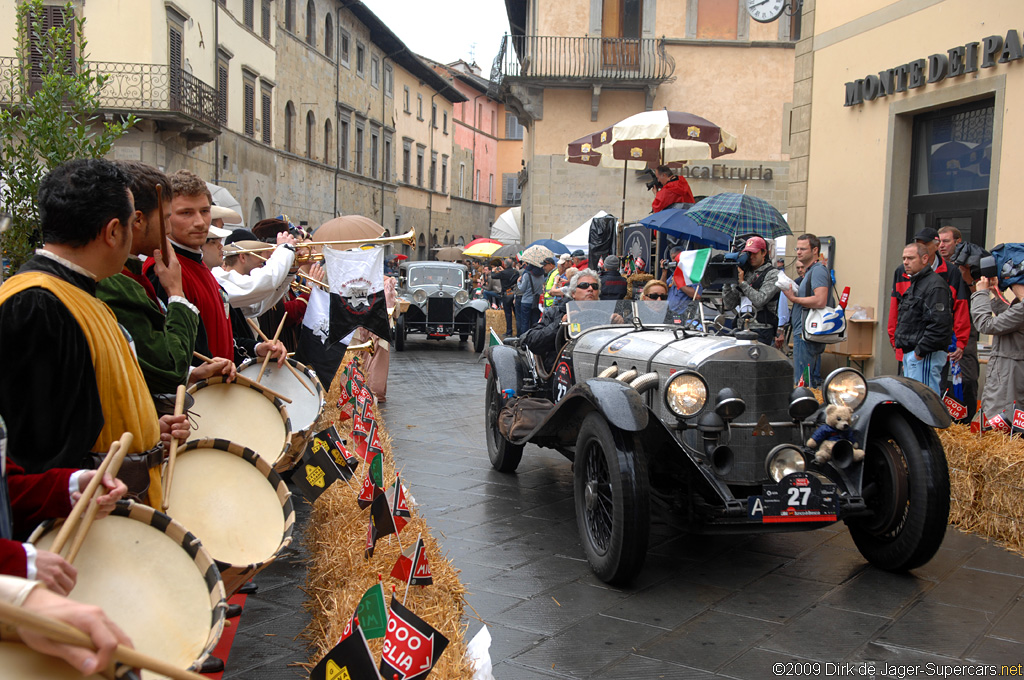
<point>49,114</point>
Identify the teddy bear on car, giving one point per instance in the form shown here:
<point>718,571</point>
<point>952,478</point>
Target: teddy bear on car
<point>836,428</point>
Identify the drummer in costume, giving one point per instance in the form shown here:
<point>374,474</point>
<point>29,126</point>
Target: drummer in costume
<point>163,342</point>
<point>26,500</point>
<point>255,282</point>
<point>189,226</point>
<point>71,384</point>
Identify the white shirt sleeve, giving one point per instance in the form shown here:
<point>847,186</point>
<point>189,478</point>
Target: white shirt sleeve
<point>30,561</point>
<point>180,300</point>
<point>73,486</point>
<point>257,292</point>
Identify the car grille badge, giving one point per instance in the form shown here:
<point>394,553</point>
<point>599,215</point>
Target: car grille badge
<point>763,427</point>
<point>754,353</point>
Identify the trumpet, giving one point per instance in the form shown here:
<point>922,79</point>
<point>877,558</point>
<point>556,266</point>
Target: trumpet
<point>408,238</point>
<point>367,347</point>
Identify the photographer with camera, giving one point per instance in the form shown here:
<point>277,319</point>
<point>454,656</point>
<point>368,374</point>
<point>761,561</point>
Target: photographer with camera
<point>757,278</point>
<point>1004,321</point>
<point>671,188</point>
<point>679,297</point>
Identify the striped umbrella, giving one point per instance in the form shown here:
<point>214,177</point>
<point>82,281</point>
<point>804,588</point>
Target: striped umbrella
<point>739,215</point>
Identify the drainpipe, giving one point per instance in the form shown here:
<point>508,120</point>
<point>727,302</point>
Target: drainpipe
<point>430,193</point>
<point>476,129</point>
<point>337,98</point>
<point>216,48</point>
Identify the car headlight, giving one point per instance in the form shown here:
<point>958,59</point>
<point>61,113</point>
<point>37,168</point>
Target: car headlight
<point>845,387</point>
<point>419,296</point>
<point>462,297</point>
<point>686,394</point>
<point>784,460</point>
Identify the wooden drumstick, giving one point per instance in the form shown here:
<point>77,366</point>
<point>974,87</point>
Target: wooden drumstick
<point>65,633</point>
<point>90,513</point>
<point>179,408</point>
<point>266,359</point>
<point>83,502</point>
<point>242,380</point>
<point>255,326</point>
<point>165,254</point>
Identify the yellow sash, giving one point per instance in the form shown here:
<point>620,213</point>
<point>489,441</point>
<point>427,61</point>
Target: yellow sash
<point>125,399</point>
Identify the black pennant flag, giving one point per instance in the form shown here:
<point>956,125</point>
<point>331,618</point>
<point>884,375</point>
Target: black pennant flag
<point>350,659</point>
<point>316,471</point>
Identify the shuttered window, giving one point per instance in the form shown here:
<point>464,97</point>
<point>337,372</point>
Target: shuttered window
<point>175,56</point>
<point>511,193</point>
<point>265,20</point>
<point>513,130</point>
<point>266,116</point>
<point>222,91</point>
<point>249,105</point>
<point>248,14</point>
<point>52,17</point>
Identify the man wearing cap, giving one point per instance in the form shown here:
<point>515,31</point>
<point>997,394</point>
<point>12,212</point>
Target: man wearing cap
<point>579,260</point>
<point>255,281</point>
<point>163,342</point>
<point>757,283</point>
<point>613,284</point>
<point>959,310</point>
<point>219,215</point>
<point>213,248</point>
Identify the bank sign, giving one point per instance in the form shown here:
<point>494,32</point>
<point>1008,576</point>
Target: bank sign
<point>957,61</point>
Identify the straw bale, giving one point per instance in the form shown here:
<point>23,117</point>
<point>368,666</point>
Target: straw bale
<point>339,574</point>
<point>986,474</point>
<point>496,320</point>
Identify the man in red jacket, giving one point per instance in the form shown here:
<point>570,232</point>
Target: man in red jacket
<point>673,189</point>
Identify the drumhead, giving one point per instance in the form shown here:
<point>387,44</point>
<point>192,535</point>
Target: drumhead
<point>21,663</point>
<point>305,408</point>
<point>242,414</point>
<point>154,579</point>
<point>223,497</point>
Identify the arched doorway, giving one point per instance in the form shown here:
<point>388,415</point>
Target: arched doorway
<point>257,213</point>
<point>421,253</point>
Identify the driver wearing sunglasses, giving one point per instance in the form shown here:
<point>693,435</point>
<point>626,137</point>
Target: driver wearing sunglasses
<point>542,338</point>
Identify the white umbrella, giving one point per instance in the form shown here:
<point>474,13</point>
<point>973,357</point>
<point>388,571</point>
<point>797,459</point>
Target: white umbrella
<point>508,228</point>
<point>224,199</point>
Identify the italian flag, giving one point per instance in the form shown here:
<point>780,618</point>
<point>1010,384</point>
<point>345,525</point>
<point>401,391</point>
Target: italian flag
<point>691,266</point>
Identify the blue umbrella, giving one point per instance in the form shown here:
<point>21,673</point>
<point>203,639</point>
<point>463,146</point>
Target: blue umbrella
<point>554,246</point>
<point>674,221</point>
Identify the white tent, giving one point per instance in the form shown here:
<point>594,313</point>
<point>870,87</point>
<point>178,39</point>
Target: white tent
<point>579,238</point>
<point>508,228</point>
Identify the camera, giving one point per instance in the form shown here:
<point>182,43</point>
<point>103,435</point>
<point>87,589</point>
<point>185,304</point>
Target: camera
<point>970,255</point>
<point>987,266</point>
<point>654,183</point>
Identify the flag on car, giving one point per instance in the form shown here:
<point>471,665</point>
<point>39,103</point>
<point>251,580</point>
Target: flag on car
<point>399,504</point>
<point>371,614</point>
<point>350,659</point>
<point>411,647</point>
<point>357,276</point>
<point>495,339</point>
<point>691,266</point>
<point>381,523</point>
<point>412,566</point>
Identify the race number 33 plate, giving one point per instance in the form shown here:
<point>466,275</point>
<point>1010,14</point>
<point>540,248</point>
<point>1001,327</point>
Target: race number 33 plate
<point>799,497</point>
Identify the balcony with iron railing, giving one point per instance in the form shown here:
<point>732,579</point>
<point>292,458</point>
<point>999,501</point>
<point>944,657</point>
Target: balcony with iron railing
<point>153,91</point>
<point>582,60</point>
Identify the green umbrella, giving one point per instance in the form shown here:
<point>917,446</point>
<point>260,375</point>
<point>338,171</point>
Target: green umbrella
<point>739,215</point>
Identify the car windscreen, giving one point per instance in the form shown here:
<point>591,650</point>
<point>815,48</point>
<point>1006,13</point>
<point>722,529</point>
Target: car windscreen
<point>436,276</point>
<point>584,315</point>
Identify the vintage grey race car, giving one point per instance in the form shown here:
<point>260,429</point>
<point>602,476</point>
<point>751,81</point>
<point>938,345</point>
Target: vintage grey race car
<point>709,426</point>
<point>436,297</point>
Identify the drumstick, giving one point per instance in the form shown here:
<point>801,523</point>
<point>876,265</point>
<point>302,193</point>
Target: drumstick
<point>242,380</point>
<point>165,254</point>
<point>179,407</point>
<point>94,508</point>
<point>83,502</point>
<point>255,326</point>
<point>59,631</point>
<point>266,359</point>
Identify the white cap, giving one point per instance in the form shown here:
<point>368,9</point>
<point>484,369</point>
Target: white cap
<point>217,232</point>
<point>229,216</point>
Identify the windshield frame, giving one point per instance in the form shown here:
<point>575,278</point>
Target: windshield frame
<point>422,270</point>
<point>636,314</point>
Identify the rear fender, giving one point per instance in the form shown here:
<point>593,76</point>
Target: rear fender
<point>507,367</point>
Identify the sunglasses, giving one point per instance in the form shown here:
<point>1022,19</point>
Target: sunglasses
<point>586,285</point>
<point>657,296</point>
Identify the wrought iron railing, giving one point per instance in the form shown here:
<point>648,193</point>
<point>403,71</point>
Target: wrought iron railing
<point>137,88</point>
<point>564,58</point>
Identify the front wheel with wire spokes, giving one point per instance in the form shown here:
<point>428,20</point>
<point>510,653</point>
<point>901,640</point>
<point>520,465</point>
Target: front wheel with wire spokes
<point>612,497</point>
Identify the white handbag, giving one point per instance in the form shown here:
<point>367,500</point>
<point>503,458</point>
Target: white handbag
<point>826,325</point>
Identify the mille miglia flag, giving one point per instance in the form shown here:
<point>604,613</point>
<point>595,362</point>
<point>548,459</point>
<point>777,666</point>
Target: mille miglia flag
<point>412,566</point>
<point>317,470</point>
<point>411,646</point>
<point>381,523</point>
<point>368,492</point>
<point>371,614</point>
<point>399,504</point>
<point>330,440</point>
<point>357,278</point>
<point>350,659</point>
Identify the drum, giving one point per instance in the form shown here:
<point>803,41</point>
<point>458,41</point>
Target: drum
<point>234,501</point>
<point>245,414</point>
<point>305,409</point>
<point>154,579</point>
<point>21,663</point>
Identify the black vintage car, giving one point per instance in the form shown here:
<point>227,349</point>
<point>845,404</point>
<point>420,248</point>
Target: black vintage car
<point>709,426</point>
<point>436,298</point>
